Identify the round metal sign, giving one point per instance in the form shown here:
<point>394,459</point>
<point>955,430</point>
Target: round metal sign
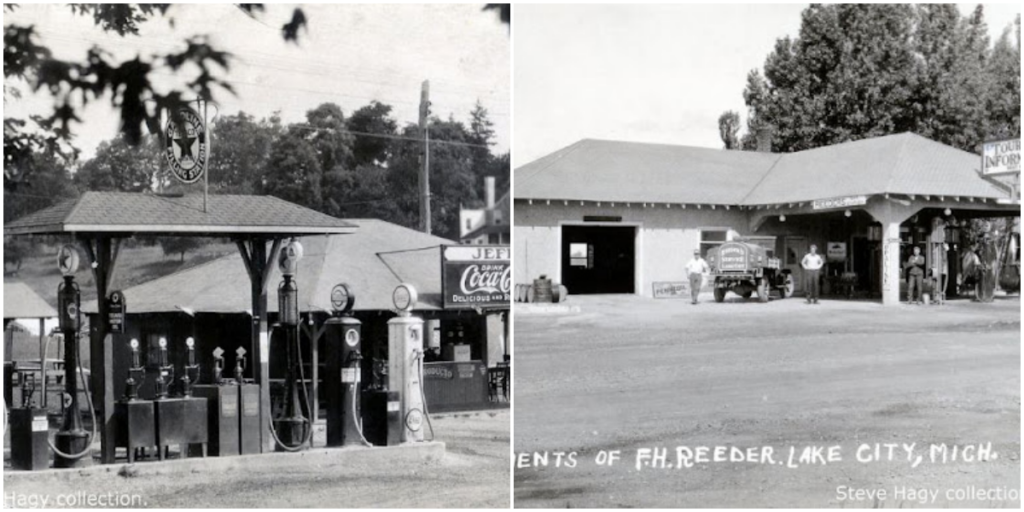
<point>67,259</point>
<point>187,146</point>
<point>134,343</point>
<point>404,297</point>
<point>342,298</point>
<point>414,420</point>
<point>352,337</point>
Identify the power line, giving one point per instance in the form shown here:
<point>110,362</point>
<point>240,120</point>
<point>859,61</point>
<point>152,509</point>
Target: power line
<point>387,136</point>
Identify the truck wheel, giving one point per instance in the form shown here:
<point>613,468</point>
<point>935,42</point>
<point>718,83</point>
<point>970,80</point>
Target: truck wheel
<point>788,287</point>
<point>762,290</point>
<point>747,294</point>
<point>719,294</point>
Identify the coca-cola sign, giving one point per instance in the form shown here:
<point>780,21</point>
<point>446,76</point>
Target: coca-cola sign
<point>476,276</point>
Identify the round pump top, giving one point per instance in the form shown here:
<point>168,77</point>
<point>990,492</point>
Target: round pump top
<point>67,259</point>
<point>134,343</point>
<point>404,297</point>
<point>163,342</point>
<point>189,342</point>
<point>342,298</point>
<point>288,258</point>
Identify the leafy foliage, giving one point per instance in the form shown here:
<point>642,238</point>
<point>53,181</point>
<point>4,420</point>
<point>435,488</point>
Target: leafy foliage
<point>859,71</point>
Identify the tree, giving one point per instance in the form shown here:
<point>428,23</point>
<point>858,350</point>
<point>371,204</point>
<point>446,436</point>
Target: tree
<point>51,184</point>
<point>180,245</point>
<point>859,71</point>
<point>326,132</point>
<point>75,83</point>
<point>119,166</point>
<point>242,147</point>
<point>374,118</point>
<point>293,171</point>
<point>481,133</point>
<point>729,129</point>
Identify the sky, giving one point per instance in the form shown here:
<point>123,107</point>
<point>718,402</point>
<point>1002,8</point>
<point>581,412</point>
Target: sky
<point>652,73</point>
<point>350,55</point>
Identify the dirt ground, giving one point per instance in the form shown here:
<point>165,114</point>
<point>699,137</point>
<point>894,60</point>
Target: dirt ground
<point>473,474</point>
<point>628,373</point>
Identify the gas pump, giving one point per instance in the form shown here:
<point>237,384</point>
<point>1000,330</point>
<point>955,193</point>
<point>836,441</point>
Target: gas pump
<point>29,430</point>
<point>344,374</point>
<point>165,371</point>
<point>190,368</point>
<point>135,418</point>
<point>405,363</point>
<point>291,430</point>
<point>72,442</point>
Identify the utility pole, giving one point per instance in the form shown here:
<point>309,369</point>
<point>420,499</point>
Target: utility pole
<point>425,173</point>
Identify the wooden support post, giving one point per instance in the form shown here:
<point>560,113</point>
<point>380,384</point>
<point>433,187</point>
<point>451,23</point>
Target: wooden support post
<point>101,354</point>
<point>257,263</point>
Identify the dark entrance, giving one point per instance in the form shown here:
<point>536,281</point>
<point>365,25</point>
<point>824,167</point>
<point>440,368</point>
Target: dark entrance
<point>598,259</point>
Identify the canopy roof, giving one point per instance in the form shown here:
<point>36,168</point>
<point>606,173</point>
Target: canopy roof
<point>226,215</point>
<point>372,261</point>
<point>20,301</point>
<point>595,170</point>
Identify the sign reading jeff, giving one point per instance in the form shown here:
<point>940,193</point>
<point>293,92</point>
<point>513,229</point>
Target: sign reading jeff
<point>476,276</point>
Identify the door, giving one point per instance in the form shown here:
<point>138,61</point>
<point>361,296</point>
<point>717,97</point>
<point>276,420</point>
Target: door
<point>793,253</point>
<point>599,259</point>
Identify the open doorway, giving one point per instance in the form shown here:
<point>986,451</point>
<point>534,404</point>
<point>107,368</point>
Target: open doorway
<point>599,259</point>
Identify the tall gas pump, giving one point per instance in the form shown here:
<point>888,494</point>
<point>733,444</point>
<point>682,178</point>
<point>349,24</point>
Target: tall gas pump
<point>72,442</point>
<point>292,431</point>
<point>405,363</point>
<point>343,338</point>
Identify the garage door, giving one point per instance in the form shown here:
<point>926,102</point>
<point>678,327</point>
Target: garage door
<point>599,259</point>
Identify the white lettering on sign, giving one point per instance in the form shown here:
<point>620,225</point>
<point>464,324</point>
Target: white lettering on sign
<point>839,202</point>
<point>470,253</point>
<point>486,279</point>
<point>394,406</point>
<point>40,424</point>
<point>350,375</point>
<point>1001,157</point>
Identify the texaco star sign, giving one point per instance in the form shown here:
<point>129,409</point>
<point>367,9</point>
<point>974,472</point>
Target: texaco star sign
<point>187,149</point>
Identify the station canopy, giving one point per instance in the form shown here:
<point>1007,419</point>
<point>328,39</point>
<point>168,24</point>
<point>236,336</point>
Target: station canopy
<point>612,171</point>
<point>124,213</point>
<point>372,261</point>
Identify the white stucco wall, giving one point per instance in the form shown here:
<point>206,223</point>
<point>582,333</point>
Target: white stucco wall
<point>666,240</point>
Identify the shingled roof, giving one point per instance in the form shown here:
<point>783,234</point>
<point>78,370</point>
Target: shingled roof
<point>122,212</point>
<point>594,170</point>
<point>372,261</point>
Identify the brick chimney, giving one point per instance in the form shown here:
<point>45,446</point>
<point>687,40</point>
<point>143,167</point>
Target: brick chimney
<point>764,139</point>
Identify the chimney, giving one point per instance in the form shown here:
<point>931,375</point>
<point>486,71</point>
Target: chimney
<point>764,139</point>
<point>489,192</point>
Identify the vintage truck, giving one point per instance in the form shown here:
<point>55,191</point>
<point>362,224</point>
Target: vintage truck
<point>746,265</point>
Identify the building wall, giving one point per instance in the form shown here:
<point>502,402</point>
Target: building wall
<point>666,236</point>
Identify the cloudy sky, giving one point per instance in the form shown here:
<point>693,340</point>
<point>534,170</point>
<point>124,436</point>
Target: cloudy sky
<point>661,73</point>
<point>351,54</point>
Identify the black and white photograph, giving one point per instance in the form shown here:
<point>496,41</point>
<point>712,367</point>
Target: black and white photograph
<point>257,256</point>
<point>766,256</point>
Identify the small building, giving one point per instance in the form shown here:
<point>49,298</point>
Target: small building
<point>487,225</point>
<point>618,217</point>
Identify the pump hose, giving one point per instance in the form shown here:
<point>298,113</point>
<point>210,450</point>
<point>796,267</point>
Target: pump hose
<point>423,395</point>
<point>357,419</point>
<point>88,399</point>
<point>305,395</point>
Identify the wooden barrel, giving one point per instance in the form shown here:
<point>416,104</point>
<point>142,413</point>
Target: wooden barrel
<point>542,290</point>
<point>563,293</point>
<point>556,292</point>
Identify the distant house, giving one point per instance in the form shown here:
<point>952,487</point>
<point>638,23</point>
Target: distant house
<point>488,225</point>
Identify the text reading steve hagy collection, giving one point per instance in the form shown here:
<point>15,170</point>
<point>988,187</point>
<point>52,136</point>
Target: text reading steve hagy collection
<point>683,457</point>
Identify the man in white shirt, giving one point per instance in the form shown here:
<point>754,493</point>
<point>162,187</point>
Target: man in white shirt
<point>695,269</point>
<point>812,264</point>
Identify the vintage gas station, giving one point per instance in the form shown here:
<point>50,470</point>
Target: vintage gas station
<point>240,355</point>
<point>623,217</point>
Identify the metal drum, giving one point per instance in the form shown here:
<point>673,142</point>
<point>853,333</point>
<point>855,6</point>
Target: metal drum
<point>542,290</point>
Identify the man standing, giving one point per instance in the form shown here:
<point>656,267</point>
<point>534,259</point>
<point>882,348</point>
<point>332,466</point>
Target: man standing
<point>696,268</point>
<point>812,264</point>
<point>915,276</point>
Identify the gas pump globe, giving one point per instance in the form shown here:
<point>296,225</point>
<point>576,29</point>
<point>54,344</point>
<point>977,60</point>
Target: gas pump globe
<point>404,298</point>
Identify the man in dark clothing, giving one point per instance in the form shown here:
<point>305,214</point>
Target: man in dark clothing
<point>915,276</point>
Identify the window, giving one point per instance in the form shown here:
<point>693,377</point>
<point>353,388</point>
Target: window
<point>710,238</point>
<point>469,225</point>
